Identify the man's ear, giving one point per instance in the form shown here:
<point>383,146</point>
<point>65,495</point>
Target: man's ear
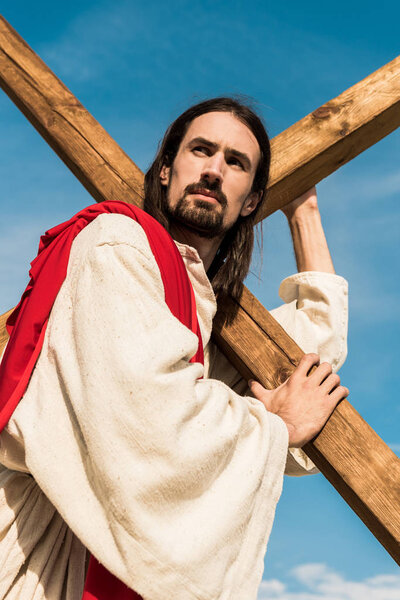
<point>250,204</point>
<point>164,175</point>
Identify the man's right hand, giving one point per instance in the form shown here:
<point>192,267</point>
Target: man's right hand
<point>304,401</point>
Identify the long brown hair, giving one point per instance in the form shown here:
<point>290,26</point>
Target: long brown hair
<point>232,261</point>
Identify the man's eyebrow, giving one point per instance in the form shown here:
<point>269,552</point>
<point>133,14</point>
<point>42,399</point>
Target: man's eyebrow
<point>243,157</point>
<point>204,141</point>
<point>200,140</point>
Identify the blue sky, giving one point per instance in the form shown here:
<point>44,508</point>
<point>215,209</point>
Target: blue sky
<point>136,66</point>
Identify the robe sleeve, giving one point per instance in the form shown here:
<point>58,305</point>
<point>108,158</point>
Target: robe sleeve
<point>170,480</point>
<point>315,315</point>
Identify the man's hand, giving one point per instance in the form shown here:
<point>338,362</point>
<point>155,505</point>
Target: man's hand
<point>304,401</point>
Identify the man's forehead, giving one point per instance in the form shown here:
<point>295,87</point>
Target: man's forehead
<point>226,131</point>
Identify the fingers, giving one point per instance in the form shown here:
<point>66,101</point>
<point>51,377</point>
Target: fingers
<point>323,371</point>
<point>306,363</point>
<point>255,387</point>
<point>330,383</point>
<point>309,194</point>
<point>339,394</point>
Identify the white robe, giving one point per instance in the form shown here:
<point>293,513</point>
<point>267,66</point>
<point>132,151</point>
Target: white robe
<point>171,481</point>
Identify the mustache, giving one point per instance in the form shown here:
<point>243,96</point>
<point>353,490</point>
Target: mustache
<point>204,185</point>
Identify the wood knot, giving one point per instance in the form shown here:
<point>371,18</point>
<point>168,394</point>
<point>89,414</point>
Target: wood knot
<point>345,129</point>
<point>325,111</point>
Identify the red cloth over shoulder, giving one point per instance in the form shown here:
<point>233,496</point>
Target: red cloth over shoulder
<point>27,326</point>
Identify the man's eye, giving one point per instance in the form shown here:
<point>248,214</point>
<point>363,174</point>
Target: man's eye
<point>202,150</point>
<point>235,162</point>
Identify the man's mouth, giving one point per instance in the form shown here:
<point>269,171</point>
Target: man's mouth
<point>211,194</point>
<point>207,193</point>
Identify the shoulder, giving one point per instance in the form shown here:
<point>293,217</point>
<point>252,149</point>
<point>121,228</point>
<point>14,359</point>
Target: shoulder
<point>108,237</point>
<point>112,254</point>
<point>111,229</point>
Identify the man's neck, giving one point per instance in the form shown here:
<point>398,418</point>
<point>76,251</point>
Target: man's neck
<point>207,248</point>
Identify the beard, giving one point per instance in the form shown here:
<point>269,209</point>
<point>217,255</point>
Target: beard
<point>200,216</point>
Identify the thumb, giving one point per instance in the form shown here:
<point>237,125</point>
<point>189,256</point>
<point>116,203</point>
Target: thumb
<point>255,387</point>
<point>261,393</point>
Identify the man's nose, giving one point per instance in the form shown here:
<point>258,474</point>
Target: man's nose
<point>213,169</point>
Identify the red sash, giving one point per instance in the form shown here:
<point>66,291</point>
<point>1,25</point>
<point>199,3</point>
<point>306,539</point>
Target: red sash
<point>27,326</point>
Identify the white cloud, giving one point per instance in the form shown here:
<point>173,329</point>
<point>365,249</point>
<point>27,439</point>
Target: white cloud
<point>271,588</point>
<point>316,581</point>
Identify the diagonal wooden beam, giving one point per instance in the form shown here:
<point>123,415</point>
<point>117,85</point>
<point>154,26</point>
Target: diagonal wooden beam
<point>349,453</point>
<point>333,134</point>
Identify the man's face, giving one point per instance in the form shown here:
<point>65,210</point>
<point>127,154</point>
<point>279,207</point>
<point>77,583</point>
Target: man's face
<point>209,184</point>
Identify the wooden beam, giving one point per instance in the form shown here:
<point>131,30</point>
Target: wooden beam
<point>346,444</point>
<point>3,330</point>
<point>333,134</point>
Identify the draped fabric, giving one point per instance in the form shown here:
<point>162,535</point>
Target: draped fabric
<point>27,326</point>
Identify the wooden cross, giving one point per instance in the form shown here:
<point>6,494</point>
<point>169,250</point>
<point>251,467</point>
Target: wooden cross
<point>348,452</point>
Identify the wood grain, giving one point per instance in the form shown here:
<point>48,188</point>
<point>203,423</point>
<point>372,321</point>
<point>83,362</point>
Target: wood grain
<point>348,452</point>
<point>333,134</point>
<point>3,330</point>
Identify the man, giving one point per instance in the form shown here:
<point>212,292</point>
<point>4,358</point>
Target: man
<point>168,477</point>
